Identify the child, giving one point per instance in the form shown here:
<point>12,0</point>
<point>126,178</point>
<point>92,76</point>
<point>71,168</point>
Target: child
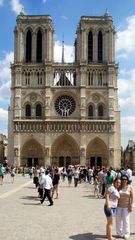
<point>96,187</point>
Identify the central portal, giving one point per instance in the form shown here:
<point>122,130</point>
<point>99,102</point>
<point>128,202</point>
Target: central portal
<point>96,162</point>
<point>65,151</point>
<point>64,161</point>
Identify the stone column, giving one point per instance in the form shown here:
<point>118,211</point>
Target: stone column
<point>111,157</point>
<point>47,156</point>
<point>113,45</point>
<point>104,47</point>
<point>15,44</point>
<point>95,46</point>
<point>111,50</point>
<point>82,156</point>
<point>34,47</point>
<point>17,160</point>
<point>83,45</point>
<point>78,46</point>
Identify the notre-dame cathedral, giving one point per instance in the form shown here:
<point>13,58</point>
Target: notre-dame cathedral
<point>64,114</point>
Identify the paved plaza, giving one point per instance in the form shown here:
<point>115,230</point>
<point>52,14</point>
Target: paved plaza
<point>76,215</point>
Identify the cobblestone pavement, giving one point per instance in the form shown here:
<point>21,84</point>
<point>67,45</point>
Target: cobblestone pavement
<point>76,215</point>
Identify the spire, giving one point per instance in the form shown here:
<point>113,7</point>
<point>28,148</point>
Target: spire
<point>62,60</point>
<point>106,12</point>
<point>22,11</point>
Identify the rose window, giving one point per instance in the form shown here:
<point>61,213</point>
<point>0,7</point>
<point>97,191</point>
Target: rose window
<point>65,105</point>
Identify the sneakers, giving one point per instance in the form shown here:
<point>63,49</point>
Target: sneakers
<point>126,236</point>
<point>41,201</point>
<point>120,236</point>
<point>50,204</point>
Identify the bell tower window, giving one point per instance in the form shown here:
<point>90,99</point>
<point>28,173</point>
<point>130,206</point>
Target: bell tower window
<point>39,47</point>
<point>28,46</point>
<point>28,111</point>
<point>38,111</point>
<point>100,47</point>
<point>100,111</point>
<point>90,111</point>
<point>90,47</point>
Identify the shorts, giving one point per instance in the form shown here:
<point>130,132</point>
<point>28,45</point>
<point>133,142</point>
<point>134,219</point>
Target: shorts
<point>12,174</point>
<point>2,175</point>
<point>109,212</point>
<point>55,187</point>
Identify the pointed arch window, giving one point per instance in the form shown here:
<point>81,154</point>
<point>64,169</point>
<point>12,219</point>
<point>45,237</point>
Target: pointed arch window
<point>90,47</point>
<point>100,47</point>
<point>100,110</point>
<point>39,47</point>
<point>28,46</point>
<point>38,111</point>
<point>28,111</point>
<point>90,111</point>
<point>100,78</point>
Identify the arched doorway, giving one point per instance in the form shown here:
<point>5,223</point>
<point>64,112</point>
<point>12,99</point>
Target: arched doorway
<point>65,151</point>
<point>97,153</point>
<point>32,154</point>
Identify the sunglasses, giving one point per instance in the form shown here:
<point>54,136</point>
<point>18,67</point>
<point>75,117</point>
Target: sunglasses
<point>124,179</point>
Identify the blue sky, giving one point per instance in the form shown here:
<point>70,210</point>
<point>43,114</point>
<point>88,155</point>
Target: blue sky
<point>66,15</point>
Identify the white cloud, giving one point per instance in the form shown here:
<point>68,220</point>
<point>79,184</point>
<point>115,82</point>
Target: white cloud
<point>3,114</point>
<point>5,93</point>
<point>17,7</point>
<point>64,17</point>
<point>127,129</point>
<point>68,52</point>
<point>1,2</point>
<point>5,74</point>
<point>127,105</point>
<point>5,81</point>
<point>125,43</point>
<point>3,121</point>
<point>126,84</point>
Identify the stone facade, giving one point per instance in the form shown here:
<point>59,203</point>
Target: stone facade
<point>3,148</point>
<point>129,155</point>
<point>63,113</point>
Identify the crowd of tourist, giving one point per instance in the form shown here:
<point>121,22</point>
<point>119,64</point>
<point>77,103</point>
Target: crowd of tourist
<point>7,170</point>
<point>115,185</point>
<point>112,184</point>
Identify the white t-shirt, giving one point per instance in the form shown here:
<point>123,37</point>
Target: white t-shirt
<point>129,174</point>
<point>113,200</point>
<point>90,172</point>
<point>46,182</point>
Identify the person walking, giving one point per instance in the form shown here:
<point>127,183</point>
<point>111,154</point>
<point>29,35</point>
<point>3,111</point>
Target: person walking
<point>90,175</point>
<point>12,172</point>
<point>69,176</point>
<point>56,179</point>
<point>129,174</point>
<point>76,176</point>
<point>47,185</point>
<point>96,187</point>
<point>125,207</point>
<point>2,171</point>
<point>112,196</point>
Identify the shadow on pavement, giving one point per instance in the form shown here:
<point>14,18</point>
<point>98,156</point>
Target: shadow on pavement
<point>30,187</point>
<point>30,198</point>
<point>90,196</point>
<point>66,186</point>
<point>88,236</point>
<point>37,204</point>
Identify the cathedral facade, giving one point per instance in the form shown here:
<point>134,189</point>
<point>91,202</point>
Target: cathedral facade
<point>64,113</point>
